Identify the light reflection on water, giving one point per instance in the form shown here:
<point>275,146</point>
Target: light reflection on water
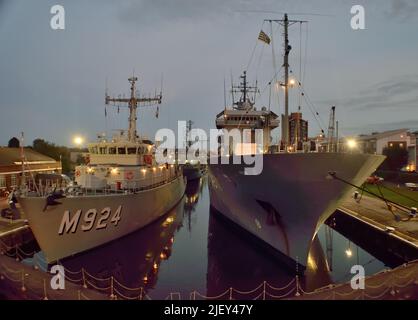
<point>192,248</point>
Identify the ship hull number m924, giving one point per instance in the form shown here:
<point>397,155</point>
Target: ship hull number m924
<point>91,218</point>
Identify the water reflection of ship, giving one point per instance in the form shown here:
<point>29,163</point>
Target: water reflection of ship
<point>193,191</point>
<point>135,259</point>
<point>235,262</point>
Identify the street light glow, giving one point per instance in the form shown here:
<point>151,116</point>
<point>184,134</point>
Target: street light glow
<point>351,143</point>
<point>78,140</point>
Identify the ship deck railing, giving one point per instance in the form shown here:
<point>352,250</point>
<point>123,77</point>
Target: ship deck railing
<point>79,191</point>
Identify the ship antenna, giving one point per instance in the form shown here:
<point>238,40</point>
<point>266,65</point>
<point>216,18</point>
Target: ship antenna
<point>224,94</point>
<point>244,78</point>
<point>256,90</point>
<point>274,67</point>
<point>232,89</point>
<point>161,88</point>
<point>133,102</point>
<point>22,157</point>
<point>286,23</point>
<point>287,49</point>
<point>132,110</point>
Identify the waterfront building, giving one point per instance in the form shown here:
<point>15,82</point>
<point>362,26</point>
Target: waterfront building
<point>34,162</point>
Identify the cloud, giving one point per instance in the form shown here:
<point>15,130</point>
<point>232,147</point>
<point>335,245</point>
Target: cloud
<point>402,9</point>
<point>146,12</point>
<point>57,78</point>
<point>396,93</point>
<point>397,86</point>
<point>162,11</point>
<point>411,125</point>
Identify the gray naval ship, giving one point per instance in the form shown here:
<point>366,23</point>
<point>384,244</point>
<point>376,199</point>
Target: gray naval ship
<point>120,190</point>
<point>299,186</point>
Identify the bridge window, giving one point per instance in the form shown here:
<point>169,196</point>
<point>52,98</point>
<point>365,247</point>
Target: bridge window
<point>103,150</point>
<point>131,150</point>
<point>2,181</point>
<point>112,150</point>
<point>13,181</point>
<point>122,150</point>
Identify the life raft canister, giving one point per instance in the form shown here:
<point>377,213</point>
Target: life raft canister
<point>148,159</point>
<point>129,175</point>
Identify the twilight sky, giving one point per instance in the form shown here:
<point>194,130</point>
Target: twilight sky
<point>52,83</point>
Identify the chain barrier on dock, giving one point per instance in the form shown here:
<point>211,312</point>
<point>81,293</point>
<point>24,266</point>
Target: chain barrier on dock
<point>394,280</point>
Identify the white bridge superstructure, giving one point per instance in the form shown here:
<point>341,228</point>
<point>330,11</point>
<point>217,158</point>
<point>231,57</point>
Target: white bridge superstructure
<point>120,164</point>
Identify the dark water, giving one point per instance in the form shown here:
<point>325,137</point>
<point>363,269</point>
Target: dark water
<point>193,248</point>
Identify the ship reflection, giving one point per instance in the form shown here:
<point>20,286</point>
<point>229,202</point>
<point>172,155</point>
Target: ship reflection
<point>193,190</point>
<point>134,260</point>
<point>236,261</point>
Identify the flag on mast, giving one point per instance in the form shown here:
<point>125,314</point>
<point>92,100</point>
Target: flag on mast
<point>157,112</point>
<point>264,37</point>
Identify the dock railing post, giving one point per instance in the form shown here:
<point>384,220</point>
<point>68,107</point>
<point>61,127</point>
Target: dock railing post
<point>193,295</point>
<point>297,294</point>
<point>45,296</point>
<point>264,290</point>
<point>84,278</point>
<point>392,286</point>
<point>23,288</point>
<point>112,295</point>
